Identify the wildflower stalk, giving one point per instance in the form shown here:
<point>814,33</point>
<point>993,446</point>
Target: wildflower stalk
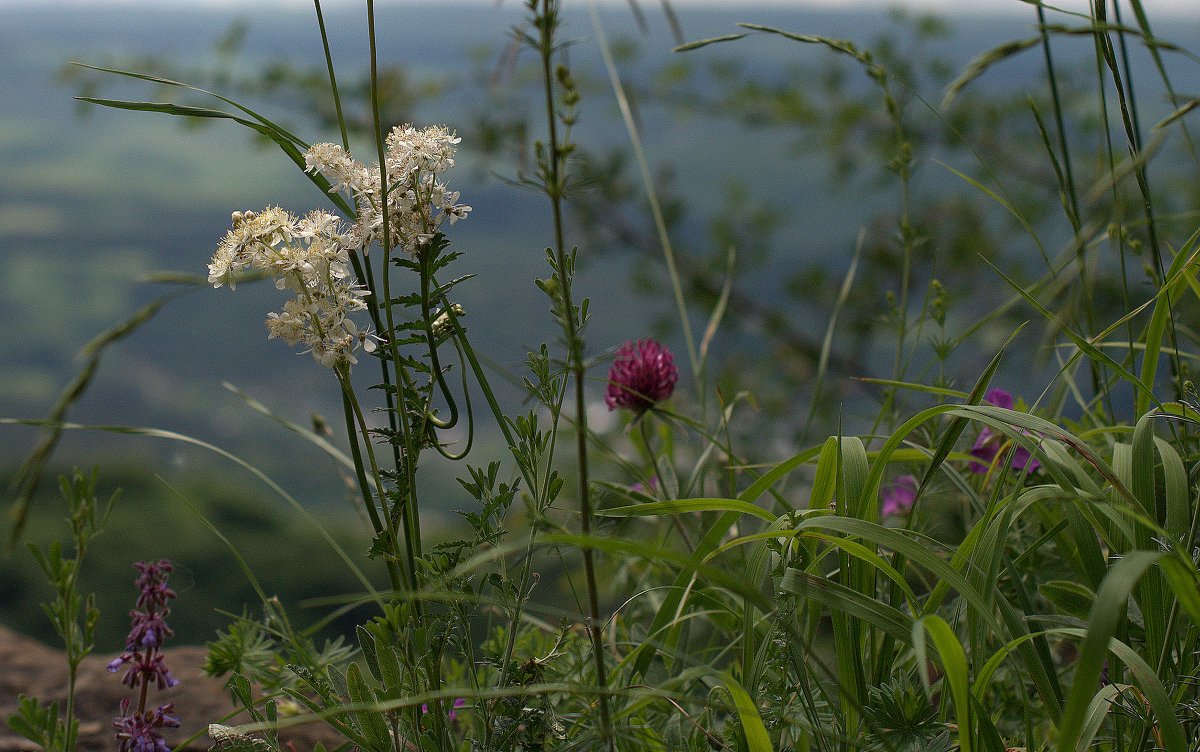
<point>554,184</point>
<point>657,480</point>
<point>333,89</point>
<point>139,731</point>
<point>401,456</point>
<point>361,268</point>
<point>354,416</point>
<point>74,616</point>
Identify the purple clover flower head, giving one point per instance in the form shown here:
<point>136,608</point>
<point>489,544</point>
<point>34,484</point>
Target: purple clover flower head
<point>898,496</point>
<point>987,446</point>
<point>642,374</point>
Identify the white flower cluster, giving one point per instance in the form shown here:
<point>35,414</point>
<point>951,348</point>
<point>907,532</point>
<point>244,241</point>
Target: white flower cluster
<point>442,325</point>
<point>310,257</point>
<point>418,202</point>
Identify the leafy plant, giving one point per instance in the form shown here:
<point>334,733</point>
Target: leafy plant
<point>73,615</point>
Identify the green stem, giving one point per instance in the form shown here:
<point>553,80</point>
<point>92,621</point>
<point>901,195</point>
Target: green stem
<point>337,99</point>
<point>676,519</point>
<point>404,464</point>
<point>350,410</point>
<point>555,189</point>
<point>660,223</point>
<point>384,528</point>
<point>435,366</point>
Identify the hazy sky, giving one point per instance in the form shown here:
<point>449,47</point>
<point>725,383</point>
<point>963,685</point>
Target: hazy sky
<point>1188,8</point>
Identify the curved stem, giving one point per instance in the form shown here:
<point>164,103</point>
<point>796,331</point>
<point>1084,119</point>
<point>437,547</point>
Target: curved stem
<point>435,366</point>
<point>458,338</point>
<point>658,481</point>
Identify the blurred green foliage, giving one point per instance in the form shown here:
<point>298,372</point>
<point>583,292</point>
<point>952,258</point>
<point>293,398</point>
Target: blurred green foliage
<point>149,522</point>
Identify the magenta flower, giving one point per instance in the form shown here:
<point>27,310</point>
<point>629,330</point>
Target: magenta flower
<point>642,374</point>
<point>898,496</point>
<point>139,732</point>
<point>453,714</point>
<point>987,446</point>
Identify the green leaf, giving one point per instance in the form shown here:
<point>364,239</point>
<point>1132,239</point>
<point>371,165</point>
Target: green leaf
<point>38,723</point>
<point>1084,345</point>
<point>1109,608</point>
<point>1071,597</point>
<point>678,506</point>
<point>369,721</point>
<point>1165,302</point>
<point>954,663</point>
<point>824,483</point>
<point>366,643</point>
<point>389,665</point>
<point>757,739</point>
<point>839,598</point>
<point>229,739</point>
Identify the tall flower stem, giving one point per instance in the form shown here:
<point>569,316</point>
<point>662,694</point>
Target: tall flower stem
<point>403,457</point>
<point>362,268</point>
<point>657,479</point>
<point>355,416</point>
<point>546,23</point>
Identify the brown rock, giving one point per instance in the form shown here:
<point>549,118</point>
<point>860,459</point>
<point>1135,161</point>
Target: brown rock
<point>30,668</point>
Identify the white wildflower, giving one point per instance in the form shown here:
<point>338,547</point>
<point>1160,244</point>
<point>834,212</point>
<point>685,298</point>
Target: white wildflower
<point>417,202</point>
<point>311,256</point>
<point>307,256</point>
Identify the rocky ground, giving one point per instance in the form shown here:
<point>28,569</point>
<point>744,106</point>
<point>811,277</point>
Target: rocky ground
<point>31,668</point>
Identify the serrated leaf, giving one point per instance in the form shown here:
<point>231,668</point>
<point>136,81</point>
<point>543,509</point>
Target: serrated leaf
<point>229,739</point>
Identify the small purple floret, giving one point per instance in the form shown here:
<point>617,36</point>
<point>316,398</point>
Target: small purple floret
<point>458,703</point>
<point>643,373</point>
